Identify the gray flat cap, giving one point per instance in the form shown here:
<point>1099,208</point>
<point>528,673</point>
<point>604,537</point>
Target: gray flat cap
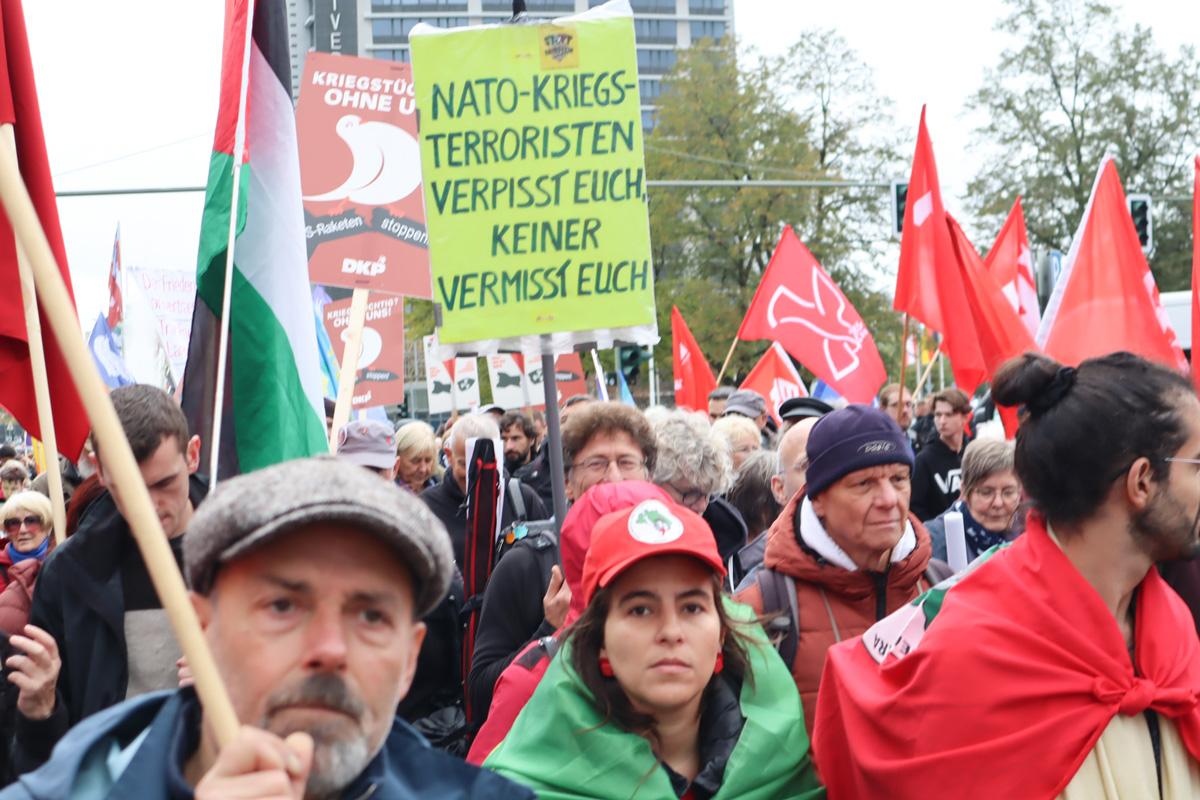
<point>250,510</point>
<point>746,402</point>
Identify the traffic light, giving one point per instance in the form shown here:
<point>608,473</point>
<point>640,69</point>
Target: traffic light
<point>1143,220</point>
<point>629,360</point>
<point>899,198</point>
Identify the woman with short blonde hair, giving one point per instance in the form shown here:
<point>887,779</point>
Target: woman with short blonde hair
<point>416,456</point>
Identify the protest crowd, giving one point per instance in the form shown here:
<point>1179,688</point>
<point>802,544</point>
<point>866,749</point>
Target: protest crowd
<point>873,589</point>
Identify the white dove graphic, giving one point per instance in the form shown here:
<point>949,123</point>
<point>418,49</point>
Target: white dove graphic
<point>372,346</point>
<point>386,167</point>
<point>824,291</point>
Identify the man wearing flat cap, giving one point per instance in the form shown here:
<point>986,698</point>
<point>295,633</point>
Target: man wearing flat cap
<point>309,579</point>
<point>845,552</point>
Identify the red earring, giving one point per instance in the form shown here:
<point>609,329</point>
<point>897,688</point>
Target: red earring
<point>720,665</point>
<point>605,667</point>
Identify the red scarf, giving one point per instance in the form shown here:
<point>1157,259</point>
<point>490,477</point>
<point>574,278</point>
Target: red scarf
<point>1008,689</point>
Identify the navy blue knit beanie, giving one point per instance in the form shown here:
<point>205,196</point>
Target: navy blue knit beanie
<point>853,438</point>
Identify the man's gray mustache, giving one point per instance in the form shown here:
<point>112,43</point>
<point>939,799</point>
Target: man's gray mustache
<point>325,690</point>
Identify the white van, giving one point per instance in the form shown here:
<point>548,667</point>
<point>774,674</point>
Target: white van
<point>1178,306</point>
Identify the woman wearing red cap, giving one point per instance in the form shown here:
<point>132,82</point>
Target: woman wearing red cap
<point>662,688</point>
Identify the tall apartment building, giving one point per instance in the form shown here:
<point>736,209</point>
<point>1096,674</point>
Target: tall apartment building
<point>380,28</point>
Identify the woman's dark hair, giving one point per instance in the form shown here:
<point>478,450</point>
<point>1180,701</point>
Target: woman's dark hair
<point>587,637</point>
<point>1083,428</point>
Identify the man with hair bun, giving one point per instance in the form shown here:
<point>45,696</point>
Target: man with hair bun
<point>1060,665</point>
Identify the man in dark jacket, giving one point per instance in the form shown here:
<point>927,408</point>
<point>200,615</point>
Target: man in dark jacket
<point>447,500</point>
<point>319,644</point>
<point>94,595</point>
<point>527,597</point>
<point>937,474</point>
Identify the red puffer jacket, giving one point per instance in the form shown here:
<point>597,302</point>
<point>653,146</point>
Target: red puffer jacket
<point>17,597</point>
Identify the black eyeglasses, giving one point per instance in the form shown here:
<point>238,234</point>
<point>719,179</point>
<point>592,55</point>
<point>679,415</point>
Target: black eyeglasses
<point>13,524</point>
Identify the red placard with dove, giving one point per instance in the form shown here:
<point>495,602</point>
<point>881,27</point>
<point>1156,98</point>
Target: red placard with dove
<point>360,175</point>
<point>800,306</point>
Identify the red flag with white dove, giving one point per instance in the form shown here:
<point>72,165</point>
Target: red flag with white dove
<point>928,286</point>
<point>693,376</point>
<point>776,379</point>
<point>1010,262</point>
<point>799,306</point>
<point>1106,299</point>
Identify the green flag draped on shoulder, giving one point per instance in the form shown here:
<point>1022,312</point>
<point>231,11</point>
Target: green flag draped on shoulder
<point>273,409</point>
<point>560,747</point>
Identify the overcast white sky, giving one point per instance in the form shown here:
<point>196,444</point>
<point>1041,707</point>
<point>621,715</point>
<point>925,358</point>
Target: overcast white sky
<point>140,77</point>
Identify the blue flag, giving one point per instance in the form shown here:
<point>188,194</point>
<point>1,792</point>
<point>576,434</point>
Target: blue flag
<point>626,395</point>
<point>107,357</point>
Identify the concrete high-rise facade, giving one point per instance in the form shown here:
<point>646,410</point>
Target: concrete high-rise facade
<point>380,28</point>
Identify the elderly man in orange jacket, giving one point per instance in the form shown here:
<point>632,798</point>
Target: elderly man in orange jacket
<point>845,552</point>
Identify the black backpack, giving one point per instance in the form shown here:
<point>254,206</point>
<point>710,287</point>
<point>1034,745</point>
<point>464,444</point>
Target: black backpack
<point>781,612</point>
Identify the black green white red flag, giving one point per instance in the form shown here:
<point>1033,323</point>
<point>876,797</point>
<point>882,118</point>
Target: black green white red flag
<point>272,409</point>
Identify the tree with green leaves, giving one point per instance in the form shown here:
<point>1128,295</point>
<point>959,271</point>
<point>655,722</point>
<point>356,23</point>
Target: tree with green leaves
<point>725,114</point>
<point>1076,84</point>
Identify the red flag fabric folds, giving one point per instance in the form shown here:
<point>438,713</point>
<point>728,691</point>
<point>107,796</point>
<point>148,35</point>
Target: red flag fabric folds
<point>1106,299</point>
<point>798,305</point>
<point>776,379</point>
<point>693,376</point>
<point>927,283</point>
<point>19,107</point>
<point>1000,333</point>
<point>1010,262</point>
<point>1000,699</point>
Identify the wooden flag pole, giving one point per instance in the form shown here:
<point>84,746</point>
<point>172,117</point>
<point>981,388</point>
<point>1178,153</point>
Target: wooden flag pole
<point>903,357</point>
<point>41,394</point>
<point>728,356</point>
<point>239,151</point>
<point>119,464</point>
<point>929,368</point>
<point>348,370</point>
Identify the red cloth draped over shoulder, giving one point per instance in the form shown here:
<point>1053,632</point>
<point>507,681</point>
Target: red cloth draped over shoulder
<point>1006,688</point>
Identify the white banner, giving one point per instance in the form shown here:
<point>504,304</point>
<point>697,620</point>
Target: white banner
<point>445,391</point>
<point>170,295</point>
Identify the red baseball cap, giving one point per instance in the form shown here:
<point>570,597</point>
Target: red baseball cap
<point>651,528</point>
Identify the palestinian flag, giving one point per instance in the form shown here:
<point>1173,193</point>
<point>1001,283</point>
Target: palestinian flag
<point>273,408</point>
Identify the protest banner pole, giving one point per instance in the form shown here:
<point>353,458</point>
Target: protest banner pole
<point>601,380</point>
<point>937,354</point>
<point>41,394</point>
<point>653,378</point>
<point>119,464</point>
<point>348,369</point>
<point>728,356</point>
<point>558,481</point>
<point>903,357</point>
<point>239,151</point>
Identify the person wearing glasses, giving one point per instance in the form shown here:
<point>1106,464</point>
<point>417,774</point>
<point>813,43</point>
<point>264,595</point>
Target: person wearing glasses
<point>991,493</point>
<point>694,467</point>
<point>1061,665</point>
<point>527,596</point>
<point>29,529</point>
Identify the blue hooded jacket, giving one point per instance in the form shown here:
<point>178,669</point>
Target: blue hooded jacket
<point>168,726</point>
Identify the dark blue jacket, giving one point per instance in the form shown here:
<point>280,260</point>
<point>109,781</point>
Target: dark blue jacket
<point>406,768</point>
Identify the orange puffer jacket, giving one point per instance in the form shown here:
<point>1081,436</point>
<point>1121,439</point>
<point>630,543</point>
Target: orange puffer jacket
<point>833,603</point>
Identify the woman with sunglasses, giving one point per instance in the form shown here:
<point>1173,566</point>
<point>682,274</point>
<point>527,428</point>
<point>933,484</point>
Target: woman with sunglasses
<point>29,533</point>
<point>663,688</point>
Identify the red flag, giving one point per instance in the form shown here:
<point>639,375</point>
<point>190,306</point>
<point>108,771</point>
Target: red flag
<point>798,305</point>
<point>776,379</point>
<point>1011,264</point>
<point>116,307</point>
<point>693,376</point>
<point>1000,332</point>
<point>19,94</point>
<point>1195,270</point>
<point>928,286</point>
<point>1105,299</point>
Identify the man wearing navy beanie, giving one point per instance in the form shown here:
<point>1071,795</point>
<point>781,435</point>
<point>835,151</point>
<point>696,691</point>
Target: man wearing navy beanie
<point>845,552</point>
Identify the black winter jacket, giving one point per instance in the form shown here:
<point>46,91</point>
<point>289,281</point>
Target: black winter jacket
<point>448,504</point>
<point>937,476</point>
<point>79,600</point>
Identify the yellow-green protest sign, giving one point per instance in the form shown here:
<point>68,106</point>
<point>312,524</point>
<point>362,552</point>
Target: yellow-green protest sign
<point>535,180</point>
